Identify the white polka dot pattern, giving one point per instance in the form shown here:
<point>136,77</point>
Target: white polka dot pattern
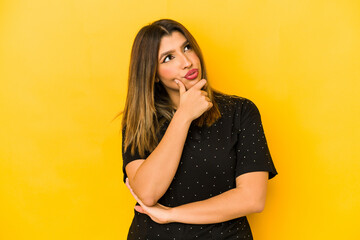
<point>211,160</point>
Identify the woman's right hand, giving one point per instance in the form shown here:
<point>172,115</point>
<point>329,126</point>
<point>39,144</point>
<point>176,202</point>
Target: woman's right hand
<point>194,101</point>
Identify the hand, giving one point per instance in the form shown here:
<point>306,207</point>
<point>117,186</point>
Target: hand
<point>158,213</point>
<point>194,102</point>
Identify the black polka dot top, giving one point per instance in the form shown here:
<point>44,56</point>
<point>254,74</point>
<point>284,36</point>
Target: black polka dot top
<point>212,158</point>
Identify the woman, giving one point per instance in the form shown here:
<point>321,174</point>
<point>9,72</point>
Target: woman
<point>196,160</point>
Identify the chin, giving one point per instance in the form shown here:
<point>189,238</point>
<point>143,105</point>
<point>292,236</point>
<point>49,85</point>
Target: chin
<point>189,85</point>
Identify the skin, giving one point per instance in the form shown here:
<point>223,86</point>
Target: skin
<point>178,59</point>
<point>248,197</point>
<point>148,179</point>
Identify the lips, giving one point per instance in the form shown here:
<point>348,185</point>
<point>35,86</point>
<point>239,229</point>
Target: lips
<point>192,74</point>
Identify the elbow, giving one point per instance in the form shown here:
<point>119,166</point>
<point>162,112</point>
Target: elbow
<point>255,203</point>
<point>257,206</point>
<point>147,198</point>
<point>149,201</point>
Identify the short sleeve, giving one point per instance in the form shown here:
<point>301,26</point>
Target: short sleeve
<point>252,150</point>
<point>127,156</point>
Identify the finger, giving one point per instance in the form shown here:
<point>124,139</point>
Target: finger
<point>206,85</point>
<point>200,84</point>
<point>139,209</point>
<point>127,183</point>
<point>129,187</point>
<point>132,192</point>
<point>182,88</point>
<point>143,207</point>
<point>210,106</point>
<point>204,93</point>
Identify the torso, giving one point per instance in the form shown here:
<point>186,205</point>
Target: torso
<point>206,169</point>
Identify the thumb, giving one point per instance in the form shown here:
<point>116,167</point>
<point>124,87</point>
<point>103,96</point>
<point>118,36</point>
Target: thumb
<point>139,209</point>
<point>182,88</point>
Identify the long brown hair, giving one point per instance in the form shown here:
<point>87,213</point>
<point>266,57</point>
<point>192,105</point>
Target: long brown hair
<point>148,105</point>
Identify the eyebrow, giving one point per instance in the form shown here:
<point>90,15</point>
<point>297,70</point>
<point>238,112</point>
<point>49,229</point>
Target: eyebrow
<point>170,51</point>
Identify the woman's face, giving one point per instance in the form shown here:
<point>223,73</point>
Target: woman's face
<point>176,58</point>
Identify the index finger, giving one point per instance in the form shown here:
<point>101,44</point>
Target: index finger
<point>182,88</point>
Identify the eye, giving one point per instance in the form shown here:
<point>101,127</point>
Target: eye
<point>168,58</point>
<point>187,47</point>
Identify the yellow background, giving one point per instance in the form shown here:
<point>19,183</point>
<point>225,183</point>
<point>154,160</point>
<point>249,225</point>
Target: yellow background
<point>63,71</point>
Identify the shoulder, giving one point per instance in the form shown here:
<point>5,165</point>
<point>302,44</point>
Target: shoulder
<point>227,102</point>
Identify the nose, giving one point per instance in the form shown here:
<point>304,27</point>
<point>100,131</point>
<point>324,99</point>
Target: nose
<point>186,62</point>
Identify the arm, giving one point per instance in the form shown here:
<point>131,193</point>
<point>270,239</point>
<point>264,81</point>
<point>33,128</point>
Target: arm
<point>248,197</point>
<point>151,178</point>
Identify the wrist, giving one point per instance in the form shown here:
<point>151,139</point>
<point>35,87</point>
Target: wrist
<point>172,217</point>
<point>182,116</point>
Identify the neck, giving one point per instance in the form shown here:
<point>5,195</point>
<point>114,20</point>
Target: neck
<point>175,99</point>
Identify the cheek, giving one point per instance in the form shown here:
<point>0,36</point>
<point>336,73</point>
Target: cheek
<point>165,72</point>
<point>195,59</point>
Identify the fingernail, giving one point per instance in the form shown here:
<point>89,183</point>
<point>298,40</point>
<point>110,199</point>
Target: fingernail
<point>177,81</point>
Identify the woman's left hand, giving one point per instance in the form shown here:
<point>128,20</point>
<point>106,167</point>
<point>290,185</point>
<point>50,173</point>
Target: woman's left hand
<point>158,213</point>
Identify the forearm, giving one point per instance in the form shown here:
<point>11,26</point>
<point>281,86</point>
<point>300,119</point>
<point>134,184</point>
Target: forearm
<point>156,173</point>
<point>226,206</point>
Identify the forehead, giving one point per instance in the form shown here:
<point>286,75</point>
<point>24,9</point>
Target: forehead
<point>171,42</point>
